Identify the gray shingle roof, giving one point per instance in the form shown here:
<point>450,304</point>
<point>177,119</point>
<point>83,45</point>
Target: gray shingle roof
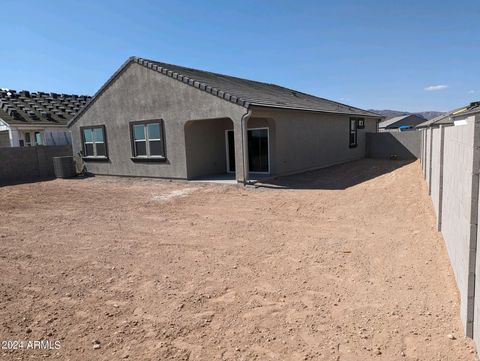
<point>390,121</point>
<point>441,119</point>
<point>408,119</point>
<point>39,108</point>
<point>446,118</point>
<point>241,91</point>
<point>472,108</point>
<point>250,92</point>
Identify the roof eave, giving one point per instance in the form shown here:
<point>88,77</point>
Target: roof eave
<point>470,112</point>
<point>181,78</point>
<point>101,90</point>
<point>206,88</point>
<point>38,125</point>
<point>259,105</point>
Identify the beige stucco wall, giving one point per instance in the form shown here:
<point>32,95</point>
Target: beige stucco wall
<point>206,147</point>
<point>302,140</point>
<point>141,94</point>
<point>194,124</point>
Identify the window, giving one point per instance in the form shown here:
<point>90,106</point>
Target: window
<point>147,139</point>
<point>38,138</point>
<point>28,141</point>
<point>94,142</point>
<point>353,132</point>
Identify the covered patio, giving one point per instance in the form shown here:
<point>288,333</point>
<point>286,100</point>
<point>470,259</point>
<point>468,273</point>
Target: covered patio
<point>214,146</point>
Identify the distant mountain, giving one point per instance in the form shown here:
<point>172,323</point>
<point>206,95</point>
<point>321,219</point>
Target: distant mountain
<point>396,113</point>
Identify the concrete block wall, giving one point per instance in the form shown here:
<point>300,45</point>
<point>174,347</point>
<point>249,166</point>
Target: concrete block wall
<point>456,210</point>
<point>476,303</point>
<point>436,168</point>
<point>424,152</point>
<point>421,147</point>
<point>399,145</point>
<point>450,157</point>
<point>18,164</point>
<point>428,147</point>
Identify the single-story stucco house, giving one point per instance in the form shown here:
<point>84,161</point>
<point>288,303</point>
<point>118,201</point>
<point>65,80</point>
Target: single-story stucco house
<point>153,119</point>
<point>36,118</point>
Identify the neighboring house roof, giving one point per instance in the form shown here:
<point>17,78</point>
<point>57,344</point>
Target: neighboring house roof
<point>239,91</point>
<point>472,108</point>
<point>38,108</point>
<point>401,121</point>
<point>390,121</point>
<point>441,119</point>
<point>446,118</point>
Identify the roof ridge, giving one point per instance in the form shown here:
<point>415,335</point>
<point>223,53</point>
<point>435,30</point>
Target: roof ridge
<point>219,86</point>
<point>41,92</point>
<point>193,82</point>
<point>208,72</point>
<point>154,62</point>
<point>39,107</point>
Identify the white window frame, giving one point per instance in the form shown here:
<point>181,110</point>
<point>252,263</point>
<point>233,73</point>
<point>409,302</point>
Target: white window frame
<point>353,131</point>
<point>147,139</point>
<point>27,144</point>
<point>42,139</point>
<point>140,140</point>
<point>94,142</point>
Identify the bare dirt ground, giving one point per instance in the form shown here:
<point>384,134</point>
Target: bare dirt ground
<point>345,264</point>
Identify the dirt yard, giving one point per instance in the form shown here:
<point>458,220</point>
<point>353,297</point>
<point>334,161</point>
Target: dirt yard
<point>340,264</point>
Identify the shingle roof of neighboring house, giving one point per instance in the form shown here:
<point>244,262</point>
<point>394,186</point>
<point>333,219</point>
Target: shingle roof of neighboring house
<point>447,117</point>
<point>472,108</point>
<point>38,108</point>
<point>408,119</point>
<point>390,121</point>
<point>441,119</point>
<point>241,91</point>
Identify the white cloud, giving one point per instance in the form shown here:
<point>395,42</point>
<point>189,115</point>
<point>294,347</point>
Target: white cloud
<point>432,88</point>
<point>471,91</point>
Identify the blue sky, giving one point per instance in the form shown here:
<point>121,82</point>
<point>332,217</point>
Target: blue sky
<point>404,55</point>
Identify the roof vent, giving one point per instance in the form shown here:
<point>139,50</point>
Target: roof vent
<point>474,105</point>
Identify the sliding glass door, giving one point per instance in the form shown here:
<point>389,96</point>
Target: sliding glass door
<point>258,161</point>
<point>230,152</point>
<point>258,151</point>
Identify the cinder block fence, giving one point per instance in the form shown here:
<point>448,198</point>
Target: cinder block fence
<point>450,157</point>
<point>18,164</point>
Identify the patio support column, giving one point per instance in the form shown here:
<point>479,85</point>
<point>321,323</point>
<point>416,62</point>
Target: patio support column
<point>241,148</point>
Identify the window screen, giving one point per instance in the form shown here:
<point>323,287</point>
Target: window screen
<point>147,139</point>
<point>94,142</point>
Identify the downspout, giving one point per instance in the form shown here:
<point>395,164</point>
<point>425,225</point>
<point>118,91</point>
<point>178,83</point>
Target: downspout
<point>243,126</point>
